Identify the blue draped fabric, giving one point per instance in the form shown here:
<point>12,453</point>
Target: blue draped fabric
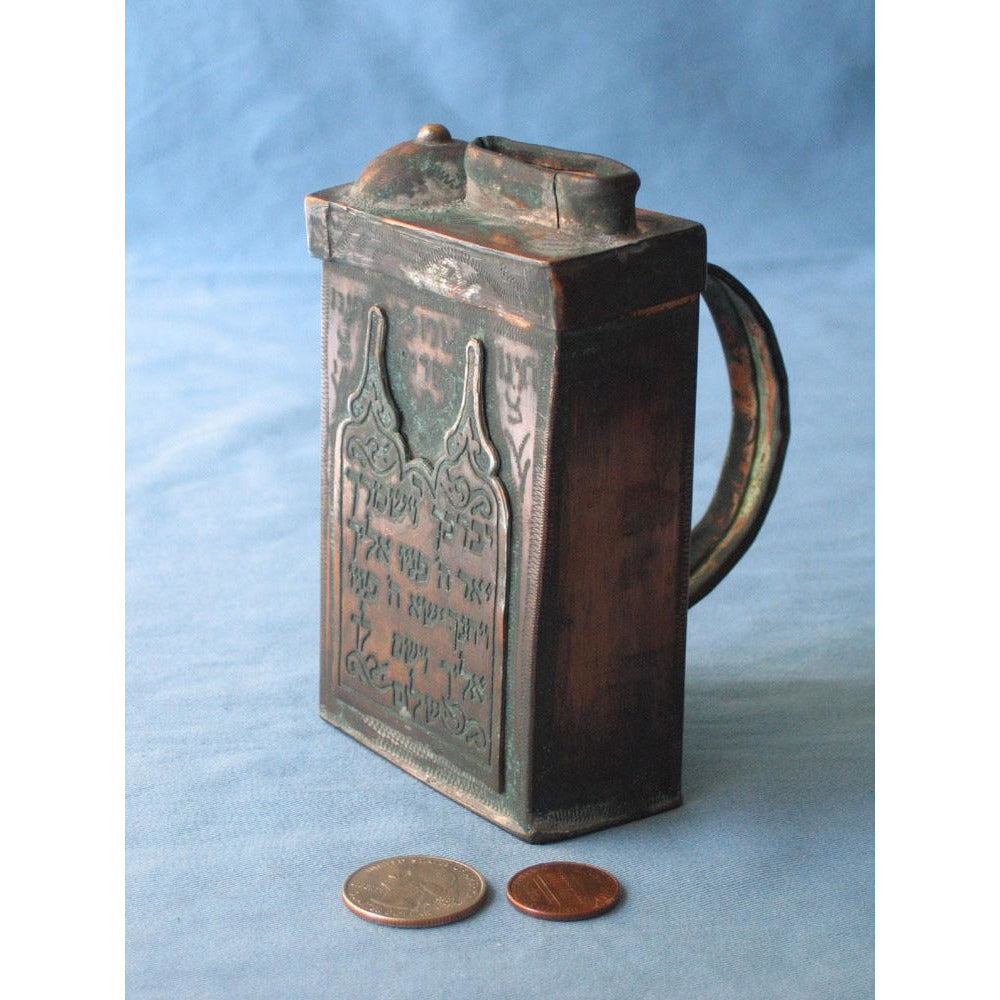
<point>246,811</point>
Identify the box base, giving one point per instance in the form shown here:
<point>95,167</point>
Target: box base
<point>540,828</point>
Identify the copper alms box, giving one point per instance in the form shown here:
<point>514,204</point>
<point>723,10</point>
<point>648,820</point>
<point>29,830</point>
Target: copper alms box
<point>509,361</point>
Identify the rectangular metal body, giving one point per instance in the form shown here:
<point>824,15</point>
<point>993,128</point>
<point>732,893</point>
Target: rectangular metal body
<point>507,450</point>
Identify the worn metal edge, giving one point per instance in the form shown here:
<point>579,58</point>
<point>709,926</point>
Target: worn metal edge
<point>408,755</point>
<point>541,828</point>
<point>675,227</point>
<point>494,275</point>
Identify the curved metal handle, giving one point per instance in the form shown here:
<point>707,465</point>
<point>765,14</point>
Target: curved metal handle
<point>758,437</point>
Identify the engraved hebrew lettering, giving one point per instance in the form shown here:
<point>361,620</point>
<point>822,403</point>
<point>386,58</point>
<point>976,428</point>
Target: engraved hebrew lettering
<point>420,564</point>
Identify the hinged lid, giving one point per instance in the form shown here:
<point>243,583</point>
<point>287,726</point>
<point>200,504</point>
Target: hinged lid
<point>562,220</point>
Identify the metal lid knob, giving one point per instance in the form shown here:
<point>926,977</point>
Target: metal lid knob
<point>433,132</point>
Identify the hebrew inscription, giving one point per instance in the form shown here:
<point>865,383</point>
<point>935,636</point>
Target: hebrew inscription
<point>420,570</point>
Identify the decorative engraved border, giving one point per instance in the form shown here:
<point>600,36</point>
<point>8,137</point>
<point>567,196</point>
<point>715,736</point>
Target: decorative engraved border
<point>464,473</point>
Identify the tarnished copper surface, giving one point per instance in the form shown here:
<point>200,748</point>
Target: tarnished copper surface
<point>433,132</point>
<point>414,890</point>
<point>563,890</point>
<point>420,563</point>
<point>560,189</point>
<point>509,365</point>
<point>758,437</point>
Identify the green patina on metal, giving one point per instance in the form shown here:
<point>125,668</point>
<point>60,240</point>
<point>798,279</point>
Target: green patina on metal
<point>509,359</point>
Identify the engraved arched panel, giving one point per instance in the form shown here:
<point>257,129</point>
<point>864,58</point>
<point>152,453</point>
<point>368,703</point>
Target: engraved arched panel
<point>419,570</point>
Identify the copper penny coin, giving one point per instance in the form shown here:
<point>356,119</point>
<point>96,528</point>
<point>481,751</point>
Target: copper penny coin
<point>414,890</point>
<point>563,890</point>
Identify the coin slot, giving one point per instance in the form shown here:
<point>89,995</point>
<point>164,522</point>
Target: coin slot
<point>554,187</point>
